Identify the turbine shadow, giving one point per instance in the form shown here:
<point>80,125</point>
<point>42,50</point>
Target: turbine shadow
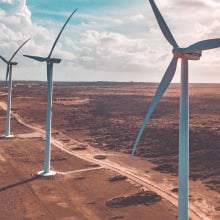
<point>4,188</point>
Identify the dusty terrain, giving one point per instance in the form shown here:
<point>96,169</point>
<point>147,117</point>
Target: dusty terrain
<point>107,116</point>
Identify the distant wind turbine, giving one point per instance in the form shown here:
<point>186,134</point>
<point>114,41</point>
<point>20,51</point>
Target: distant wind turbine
<point>193,52</point>
<point>9,74</point>
<point>50,61</point>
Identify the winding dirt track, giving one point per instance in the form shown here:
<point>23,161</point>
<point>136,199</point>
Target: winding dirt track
<point>132,174</point>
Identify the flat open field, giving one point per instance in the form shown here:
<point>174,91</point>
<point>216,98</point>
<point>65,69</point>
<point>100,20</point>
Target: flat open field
<point>94,126</point>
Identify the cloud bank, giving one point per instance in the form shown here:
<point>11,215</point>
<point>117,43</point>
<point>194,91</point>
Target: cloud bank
<point>108,41</point>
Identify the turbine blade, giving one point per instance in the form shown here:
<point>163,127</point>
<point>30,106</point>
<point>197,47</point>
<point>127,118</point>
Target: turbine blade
<point>4,59</point>
<point>163,26</point>
<point>41,59</point>
<point>58,36</point>
<point>165,82</point>
<point>18,49</point>
<point>7,73</point>
<point>204,45</point>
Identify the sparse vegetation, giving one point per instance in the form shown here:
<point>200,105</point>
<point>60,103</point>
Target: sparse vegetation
<point>146,198</point>
<point>117,178</point>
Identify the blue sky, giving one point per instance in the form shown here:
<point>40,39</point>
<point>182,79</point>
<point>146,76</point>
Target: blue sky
<point>108,40</point>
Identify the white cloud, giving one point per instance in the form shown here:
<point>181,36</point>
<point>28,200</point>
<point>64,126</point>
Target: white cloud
<point>16,27</point>
<point>212,3</point>
<point>17,8</point>
<point>137,18</point>
<point>112,52</point>
<point>7,1</point>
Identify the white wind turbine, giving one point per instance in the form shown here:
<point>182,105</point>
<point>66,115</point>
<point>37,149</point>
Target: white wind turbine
<point>193,52</point>
<point>9,74</point>
<point>50,61</point>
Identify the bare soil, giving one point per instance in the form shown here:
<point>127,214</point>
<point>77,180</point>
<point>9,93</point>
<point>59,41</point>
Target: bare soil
<point>106,116</point>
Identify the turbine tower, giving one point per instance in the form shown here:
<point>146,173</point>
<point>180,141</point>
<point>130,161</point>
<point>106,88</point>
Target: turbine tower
<point>192,52</point>
<point>49,61</point>
<point>9,75</point>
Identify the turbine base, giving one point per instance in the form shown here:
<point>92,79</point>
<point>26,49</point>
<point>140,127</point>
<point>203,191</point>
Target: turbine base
<point>7,136</point>
<point>43,173</point>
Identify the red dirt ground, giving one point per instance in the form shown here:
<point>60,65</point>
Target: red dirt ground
<point>107,116</point>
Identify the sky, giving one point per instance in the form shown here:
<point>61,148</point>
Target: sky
<point>107,40</point>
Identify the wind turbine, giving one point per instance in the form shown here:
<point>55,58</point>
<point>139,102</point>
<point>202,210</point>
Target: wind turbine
<point>9,74</point>
<point>192,52</point>
<point>50,61</point>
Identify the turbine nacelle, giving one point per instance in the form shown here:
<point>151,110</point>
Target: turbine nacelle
<point>13,63</point>
<point>54,60</point>
<point>188,55</point>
